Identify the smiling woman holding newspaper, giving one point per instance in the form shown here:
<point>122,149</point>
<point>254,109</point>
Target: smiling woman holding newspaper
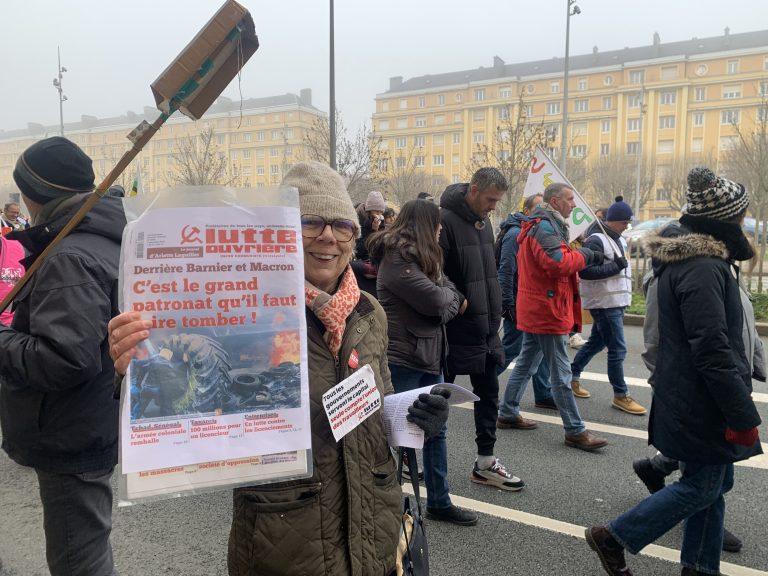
<point>345,520</point>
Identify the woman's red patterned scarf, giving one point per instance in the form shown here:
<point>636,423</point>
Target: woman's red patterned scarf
<point>333,309</point>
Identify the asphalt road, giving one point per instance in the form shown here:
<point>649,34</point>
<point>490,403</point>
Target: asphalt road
<point>533,532</point>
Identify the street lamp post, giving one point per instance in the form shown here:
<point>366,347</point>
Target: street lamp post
<point>332,115</point>
<point>571,10</point>
<point>639,155</point>
<point>60,89</point>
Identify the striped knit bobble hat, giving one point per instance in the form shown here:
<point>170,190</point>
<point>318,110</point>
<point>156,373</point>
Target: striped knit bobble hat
<point>713,197</point>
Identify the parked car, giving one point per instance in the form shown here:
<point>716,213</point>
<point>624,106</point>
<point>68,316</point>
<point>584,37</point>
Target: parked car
<point>636,233</point>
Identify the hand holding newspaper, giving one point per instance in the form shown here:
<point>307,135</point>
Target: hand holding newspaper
<point>400,432</point>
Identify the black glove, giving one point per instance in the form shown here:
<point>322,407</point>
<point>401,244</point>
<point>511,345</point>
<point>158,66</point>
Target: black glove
<point>592,257</point>
<point>510,314</point>
<point>621,262</point>
<point>430,411</point>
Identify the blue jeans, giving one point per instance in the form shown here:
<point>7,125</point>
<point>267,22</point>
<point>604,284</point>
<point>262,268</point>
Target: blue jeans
<point>697,498</point>
<point>435,449</point>
<point>552,350</point>
<point>513,342</point>
<point>607,330</point>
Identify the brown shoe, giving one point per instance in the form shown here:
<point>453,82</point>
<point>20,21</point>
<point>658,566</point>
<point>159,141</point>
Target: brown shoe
<point>518,422</point>
<point>578,391</point>
<point>585,441</point>
<point>608,549</point>
<point>628,405</point>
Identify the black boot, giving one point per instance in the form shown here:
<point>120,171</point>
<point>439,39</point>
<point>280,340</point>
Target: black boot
<point>730,542</point>
<point>452,514</point>
<point>652,478</point>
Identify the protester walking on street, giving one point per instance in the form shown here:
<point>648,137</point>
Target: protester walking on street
<point>473,337</point>
<point>346,519</point>
<point>548,309</point>
<point>606,291</point>
<point>57,409</point>
<point>702,413</point>
<point>506,257</point>
<point>370,215</point>
<point>418,301</point>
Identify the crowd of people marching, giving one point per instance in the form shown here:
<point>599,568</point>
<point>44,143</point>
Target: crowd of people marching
<point>420,296</point>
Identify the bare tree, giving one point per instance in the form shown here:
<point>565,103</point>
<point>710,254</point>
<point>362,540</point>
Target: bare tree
<point>403,176</point>
<point>746,161</point>
<point>616,175</point>
<point>673,177</point>
<point>126,178</point>
<point>197,161</point>
<point>357,155</point>
<point>510,150</point>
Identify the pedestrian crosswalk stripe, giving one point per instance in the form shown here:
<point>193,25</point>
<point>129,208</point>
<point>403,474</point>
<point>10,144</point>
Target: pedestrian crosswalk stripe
<point>642,382</point>
<point>760,461</point>
<point>536,521</point>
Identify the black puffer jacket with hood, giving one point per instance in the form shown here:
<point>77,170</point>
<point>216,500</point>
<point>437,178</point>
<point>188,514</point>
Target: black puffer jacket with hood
<point>57,408</point>
<point>469,262</point>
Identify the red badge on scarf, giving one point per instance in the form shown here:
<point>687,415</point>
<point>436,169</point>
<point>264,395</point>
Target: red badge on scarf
<point>354,359</point>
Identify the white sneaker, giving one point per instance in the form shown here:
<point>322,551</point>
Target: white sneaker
<point>497,477</point>
<point>576,341</point>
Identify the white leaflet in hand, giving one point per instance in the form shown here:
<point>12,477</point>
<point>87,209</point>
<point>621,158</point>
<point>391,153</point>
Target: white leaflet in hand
<point>402,433</point>
<point>351,402</point>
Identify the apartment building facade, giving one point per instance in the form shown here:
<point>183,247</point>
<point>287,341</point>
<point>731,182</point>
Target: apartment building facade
<point>677,99</point>
<point>262,139</point>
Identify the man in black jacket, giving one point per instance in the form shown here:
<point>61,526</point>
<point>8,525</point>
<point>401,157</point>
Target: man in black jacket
<point>57,409</point>
<point>473,337</point>
<point>702,412</point>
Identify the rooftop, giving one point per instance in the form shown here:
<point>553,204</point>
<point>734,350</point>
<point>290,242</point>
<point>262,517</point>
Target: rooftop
<point>222,105</point>
<point>596,59</point>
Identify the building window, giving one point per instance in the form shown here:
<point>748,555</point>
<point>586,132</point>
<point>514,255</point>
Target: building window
<point>605,126</point>
<point>403,104</point>
<point>581,84</point>
<point>581,105</point>
<point>383,124</point>
<point>275,134</point>
<point>579,151</point>
<point>662,195</point>
<point>441,99</point>
<point>552,131</point>
<point>457,118</point>
<point>765,63</point>
<point>455,179</point>
<point>418,161</point>
<point>503,155</point>
<point>232,155</point>
<point>274,152</point>
<point>220,139</point>
<point>554,87</point>
<point>553,108</point>
<point>668,97</point>
<point>478,115</point>
<point>505,92</point>
<point>479,94</point>
<point>438,140</point>
<point>634,100</point>
<point>478,137</point>
<point>439,119</point>
<point>698,119</point>
<point>637,76</point>
<point>274,169</point>
<point>763,90</point>
<point>578,129</point>
<point>400,162</point>
<point>457,137</point>
<point>668,72</point>
<point>421,121</point>
<point>608,81</point>
<point>422,101</point>
<point>288,133</point>
<point>438,160</point>
<point>503,112</point>
<point>605,149</point>
<point>385,106</point>
<point>729,117</point>
<point>732,92</point>
<point>633,148</point>
<point>665,146</point>
<point>402,122</point>
<point>246,154</point>
<point>666,122</point>
<point>733,66</point>
<point>455,159</point>
<point>607,102</point>
<point>260,171</point>
<point>383,164</point>
<point>383,144</point>
<point>697,145</point>
<point>528,110</point>
<point>419,141</point>
<point>728,142</point>
<point>401,142</point>
<point>700,94</point>
<point>633,124</point>
<point>459,98</point>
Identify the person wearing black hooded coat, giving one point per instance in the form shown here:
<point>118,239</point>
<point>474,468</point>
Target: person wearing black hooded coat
<point>702,412</point>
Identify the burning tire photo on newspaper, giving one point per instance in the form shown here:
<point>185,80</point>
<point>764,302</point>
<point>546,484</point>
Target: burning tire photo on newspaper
<point>205,373</point>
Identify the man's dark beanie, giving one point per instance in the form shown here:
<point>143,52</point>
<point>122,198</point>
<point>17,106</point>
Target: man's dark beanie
<point>53,168</point>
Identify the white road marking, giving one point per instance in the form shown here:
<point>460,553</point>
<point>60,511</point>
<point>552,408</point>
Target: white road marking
<point>642,382</point>
<point>653,550</point>
<point>759,461</point>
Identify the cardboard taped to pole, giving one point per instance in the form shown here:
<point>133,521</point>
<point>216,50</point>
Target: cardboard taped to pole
<point>208,63</point>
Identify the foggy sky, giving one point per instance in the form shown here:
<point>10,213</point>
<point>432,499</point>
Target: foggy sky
<point>115,49</point>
